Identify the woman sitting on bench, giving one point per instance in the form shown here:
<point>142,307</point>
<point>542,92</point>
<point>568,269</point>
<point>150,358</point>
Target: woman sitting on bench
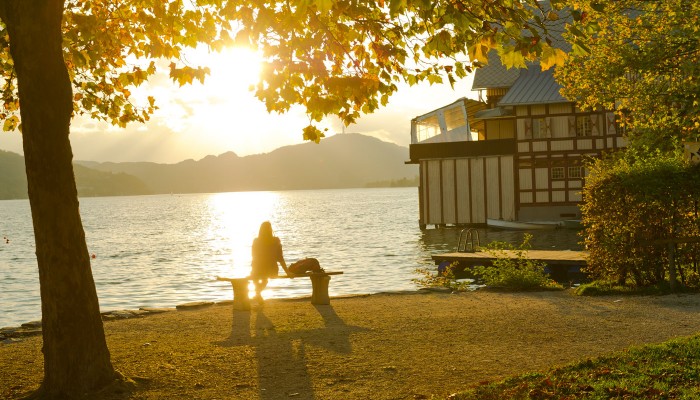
<point>267,252</point>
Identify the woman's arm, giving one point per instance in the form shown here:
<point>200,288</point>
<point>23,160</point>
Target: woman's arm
<point>284,267</point>
<point>280,259</point>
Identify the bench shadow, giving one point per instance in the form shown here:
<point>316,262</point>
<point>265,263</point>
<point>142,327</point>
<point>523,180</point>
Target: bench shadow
<point>240,330</point>
<point>278,356</point>
<point>284,354</point>
<point>335,335</point>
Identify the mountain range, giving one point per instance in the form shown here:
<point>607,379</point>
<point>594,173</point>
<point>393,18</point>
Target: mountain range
<point>90,182</point>
<point>340,161</point>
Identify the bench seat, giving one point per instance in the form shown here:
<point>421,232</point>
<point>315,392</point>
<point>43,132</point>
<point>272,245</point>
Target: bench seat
<point>319,287</point>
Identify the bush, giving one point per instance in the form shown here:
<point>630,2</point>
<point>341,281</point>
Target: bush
<point>636,202</point>
<point>513,270</point>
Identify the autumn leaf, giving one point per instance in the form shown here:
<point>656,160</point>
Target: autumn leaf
<point>323,6</point>
<point>397,6</point>
<point>10,123</point>
<point>312,133</point>
<point>478,53</point>
<point>440,43</point>
<point>552,56</point>
<point>512,58</point>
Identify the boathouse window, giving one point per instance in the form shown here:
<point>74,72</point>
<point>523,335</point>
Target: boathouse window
<point>576,172</point>
<point>539,128</point>
<point>557,172</point>
<point>583,125</point>
<point>455,118</point>
<point>427,128</point>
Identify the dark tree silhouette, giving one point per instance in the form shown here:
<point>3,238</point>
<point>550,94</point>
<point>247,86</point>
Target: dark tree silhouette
<point>76,358</point>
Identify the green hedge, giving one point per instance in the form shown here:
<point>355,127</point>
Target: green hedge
<point>635,203</point>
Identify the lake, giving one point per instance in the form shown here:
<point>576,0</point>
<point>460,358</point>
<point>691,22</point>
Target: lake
<point>164,250</point>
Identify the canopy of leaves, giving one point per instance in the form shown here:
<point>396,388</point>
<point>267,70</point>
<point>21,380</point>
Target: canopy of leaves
<point>111,47</point>
<point>345,58</point>
<point>341,58</point>
<point>641,58</point>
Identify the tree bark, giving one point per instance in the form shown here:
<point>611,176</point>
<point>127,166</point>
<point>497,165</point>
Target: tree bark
<point>76,358</point>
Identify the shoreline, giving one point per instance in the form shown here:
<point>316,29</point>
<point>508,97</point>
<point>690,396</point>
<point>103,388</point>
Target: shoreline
<point>13,334</point>
<point>379,346</point>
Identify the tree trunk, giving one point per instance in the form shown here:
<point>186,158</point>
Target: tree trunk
<point>76,358</point>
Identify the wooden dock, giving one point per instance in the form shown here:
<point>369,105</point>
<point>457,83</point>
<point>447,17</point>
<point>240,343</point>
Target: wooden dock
<point>563,265</point>
<point>550,257</point>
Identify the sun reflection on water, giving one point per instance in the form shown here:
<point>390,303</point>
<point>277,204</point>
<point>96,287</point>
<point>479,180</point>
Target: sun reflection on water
<point>234,222</point>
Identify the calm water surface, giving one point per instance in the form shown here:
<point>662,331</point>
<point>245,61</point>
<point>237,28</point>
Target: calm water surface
<point>165,250</point>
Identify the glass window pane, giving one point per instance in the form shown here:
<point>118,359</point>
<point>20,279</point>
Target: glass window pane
<point>583,125</point>
<point>558,173</point>
<point>428,128</point>
<point>454,118</point>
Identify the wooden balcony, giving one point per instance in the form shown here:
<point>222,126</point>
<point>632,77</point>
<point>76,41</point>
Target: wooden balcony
<point>423,151</point>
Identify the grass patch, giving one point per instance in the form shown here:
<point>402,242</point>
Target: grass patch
<point>607,288</point>
<point>662,371</point>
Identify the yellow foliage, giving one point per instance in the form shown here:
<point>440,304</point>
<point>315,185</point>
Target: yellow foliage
<point>552,57</point>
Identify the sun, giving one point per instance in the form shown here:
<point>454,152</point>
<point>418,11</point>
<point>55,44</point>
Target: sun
<point>222,113</point>
<point>235,69</point>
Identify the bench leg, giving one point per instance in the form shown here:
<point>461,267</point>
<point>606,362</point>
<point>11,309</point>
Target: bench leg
<point>240,294</point>
<point>319,294</point>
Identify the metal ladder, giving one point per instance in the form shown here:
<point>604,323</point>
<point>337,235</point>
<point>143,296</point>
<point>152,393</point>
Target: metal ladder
<point>468,246</point>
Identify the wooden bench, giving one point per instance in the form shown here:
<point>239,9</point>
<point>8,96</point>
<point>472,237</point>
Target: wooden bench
<point>319,288</point>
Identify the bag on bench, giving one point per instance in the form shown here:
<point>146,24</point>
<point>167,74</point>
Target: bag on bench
<point>305,265</point>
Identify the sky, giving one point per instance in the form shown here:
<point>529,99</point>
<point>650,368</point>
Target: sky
<point>223,115</point>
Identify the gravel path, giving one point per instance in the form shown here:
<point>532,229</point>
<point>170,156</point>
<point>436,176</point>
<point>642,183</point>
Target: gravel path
<point>385,346</point>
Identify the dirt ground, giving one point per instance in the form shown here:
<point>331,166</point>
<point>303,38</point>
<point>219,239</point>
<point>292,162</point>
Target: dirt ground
<point>384,346</point>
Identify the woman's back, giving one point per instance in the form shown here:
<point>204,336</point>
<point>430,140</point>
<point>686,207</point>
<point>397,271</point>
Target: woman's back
<point>266,253</point>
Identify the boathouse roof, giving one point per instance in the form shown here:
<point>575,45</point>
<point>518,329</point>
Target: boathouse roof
<point>528,85</point>
<point>533,86</point>
<point>494,75</point>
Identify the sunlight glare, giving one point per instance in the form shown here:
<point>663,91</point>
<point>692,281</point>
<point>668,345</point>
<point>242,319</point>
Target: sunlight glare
<point>235,220</point>
<point>235,69</point>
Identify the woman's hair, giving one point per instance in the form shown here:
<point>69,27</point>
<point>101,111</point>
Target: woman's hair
<point>265,232</point>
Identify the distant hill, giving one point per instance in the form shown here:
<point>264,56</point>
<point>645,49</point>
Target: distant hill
<point>340,161</point>
<point>90,182</point>
<point>13,179</point>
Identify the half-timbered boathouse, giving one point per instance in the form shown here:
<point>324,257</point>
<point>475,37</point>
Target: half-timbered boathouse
<point>516,154</point>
